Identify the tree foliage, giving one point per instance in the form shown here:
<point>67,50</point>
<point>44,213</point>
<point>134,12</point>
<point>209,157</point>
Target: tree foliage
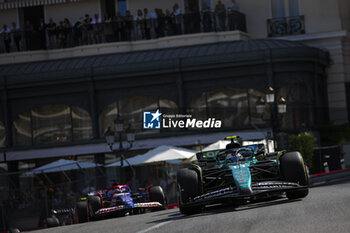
<point>304,143</point>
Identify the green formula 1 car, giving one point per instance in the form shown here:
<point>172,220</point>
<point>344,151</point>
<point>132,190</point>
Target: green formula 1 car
<point>239,174</point>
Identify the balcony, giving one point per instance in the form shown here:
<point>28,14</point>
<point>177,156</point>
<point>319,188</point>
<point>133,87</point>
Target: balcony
<point>286,26</point>
<point>87,35</point>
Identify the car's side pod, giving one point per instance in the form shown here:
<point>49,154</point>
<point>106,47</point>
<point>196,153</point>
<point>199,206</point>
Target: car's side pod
<point>199,172</point>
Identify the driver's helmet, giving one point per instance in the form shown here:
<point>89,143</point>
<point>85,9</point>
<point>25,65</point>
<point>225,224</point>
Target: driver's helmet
<point>231,158</point>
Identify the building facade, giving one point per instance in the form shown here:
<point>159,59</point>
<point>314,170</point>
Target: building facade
<point>57,103</point>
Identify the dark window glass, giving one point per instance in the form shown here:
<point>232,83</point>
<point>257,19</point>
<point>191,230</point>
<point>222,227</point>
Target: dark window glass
<point>22,131</point>
<point>2,135</point>
<point>82,125</point>
<point>52,124</point>
<point>131,112</point>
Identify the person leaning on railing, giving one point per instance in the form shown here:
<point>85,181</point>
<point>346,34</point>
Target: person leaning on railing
<point>107,28</point>
<point>140,27</point>
<point>17,36</point>
<point>5,32</point>
<point>230,11</point>
<point>51,32</point>
<point>129,25</point>
<point>97,29</point>
<point>206,15</point>
<point>220,12</point>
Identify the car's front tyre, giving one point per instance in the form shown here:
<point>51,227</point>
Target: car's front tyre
<point>189,186</point>
<point>293,170</point>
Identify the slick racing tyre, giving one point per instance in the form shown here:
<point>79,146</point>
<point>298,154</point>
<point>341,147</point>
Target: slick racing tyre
<point>188,183</point>
<point>156,194</point>
<point>293,170</point>
<point>94,203</point>
<point>80,212</point>
<point>52,222</point>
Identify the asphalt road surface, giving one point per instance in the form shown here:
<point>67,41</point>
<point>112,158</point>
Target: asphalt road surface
<point>325,209</point>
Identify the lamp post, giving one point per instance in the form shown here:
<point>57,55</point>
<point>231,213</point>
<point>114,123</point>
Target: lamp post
<point>277,109</point>
<point>119,131</point>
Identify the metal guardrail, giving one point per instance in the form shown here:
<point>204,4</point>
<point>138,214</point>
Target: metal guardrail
<point>329,176</point>
<point>122,30</point>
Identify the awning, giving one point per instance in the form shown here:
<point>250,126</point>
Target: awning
<point>169,154</point>
<point>185,140</point>
<point>61,165</point>
<point>7,4</point>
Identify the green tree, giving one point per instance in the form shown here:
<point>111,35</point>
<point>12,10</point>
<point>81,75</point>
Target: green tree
<point>304,143</point>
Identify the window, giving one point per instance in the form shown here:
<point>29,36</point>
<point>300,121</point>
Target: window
<point>52,124</point>
<point>2,135</point>
<point>299,106</point>
<point>285,8</point>
<point>131,111</point>
<point>230,105</point>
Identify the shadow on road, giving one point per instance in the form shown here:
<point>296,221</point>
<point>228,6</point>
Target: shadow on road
<point>222,208</point>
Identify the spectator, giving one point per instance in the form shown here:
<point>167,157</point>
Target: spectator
<point>51,32</point>
<point>16,32</point>
<point>154,22</point>
<point>128,25</point>
<point>5,32</point>
<point>42,33</point>
<point>147,24</point>
<point>161,23</point>
<point>177,19</point>
<point>206,17</point>
<point>61,35</point>
<point>196,20</point>
<point>28,32</point>
<point>68,31</point>
<point>140,27</point>
<point>169,26</point>
<point>231,10</point>
<point>97,29</point>
<point>78,33</point>
<point>220,13</point>
<point>118,26</point>
<point>107,28</point>
<point>188,24</point>
<point>87,30</point>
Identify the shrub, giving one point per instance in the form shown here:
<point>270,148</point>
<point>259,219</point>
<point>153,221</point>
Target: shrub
<point>304,143</point>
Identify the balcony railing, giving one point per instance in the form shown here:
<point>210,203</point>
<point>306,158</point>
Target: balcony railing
<point>286,26</point>
<point>121,30</point>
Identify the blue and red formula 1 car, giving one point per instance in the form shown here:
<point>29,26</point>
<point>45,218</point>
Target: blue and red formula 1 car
<point>114,201</point>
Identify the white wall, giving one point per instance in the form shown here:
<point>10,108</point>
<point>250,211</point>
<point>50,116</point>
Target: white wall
<point>8,16</point>
<point>72,11</point>
<point>321,15</point>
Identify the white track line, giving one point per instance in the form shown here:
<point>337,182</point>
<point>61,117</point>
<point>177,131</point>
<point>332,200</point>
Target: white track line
<point>154,227</point>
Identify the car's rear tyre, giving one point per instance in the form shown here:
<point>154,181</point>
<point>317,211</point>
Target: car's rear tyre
<point>52,222</point>
<point>293,170</point>
<point>189,186</point>
<point>80,213</point>
<point>94,203</point>
<point>156,194</point>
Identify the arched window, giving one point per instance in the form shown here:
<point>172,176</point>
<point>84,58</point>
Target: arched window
<point>230,105</point>
<point>52,124</point>
<point>2,135</point>
<point>131,111</point>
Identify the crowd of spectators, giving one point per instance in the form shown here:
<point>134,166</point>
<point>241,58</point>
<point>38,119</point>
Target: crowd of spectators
<point>95,29</point>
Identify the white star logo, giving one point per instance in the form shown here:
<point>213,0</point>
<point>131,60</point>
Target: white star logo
<point>156,115</point>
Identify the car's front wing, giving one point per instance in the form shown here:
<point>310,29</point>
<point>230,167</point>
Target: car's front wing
<point>126,208</point>
<point>257,190</point>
